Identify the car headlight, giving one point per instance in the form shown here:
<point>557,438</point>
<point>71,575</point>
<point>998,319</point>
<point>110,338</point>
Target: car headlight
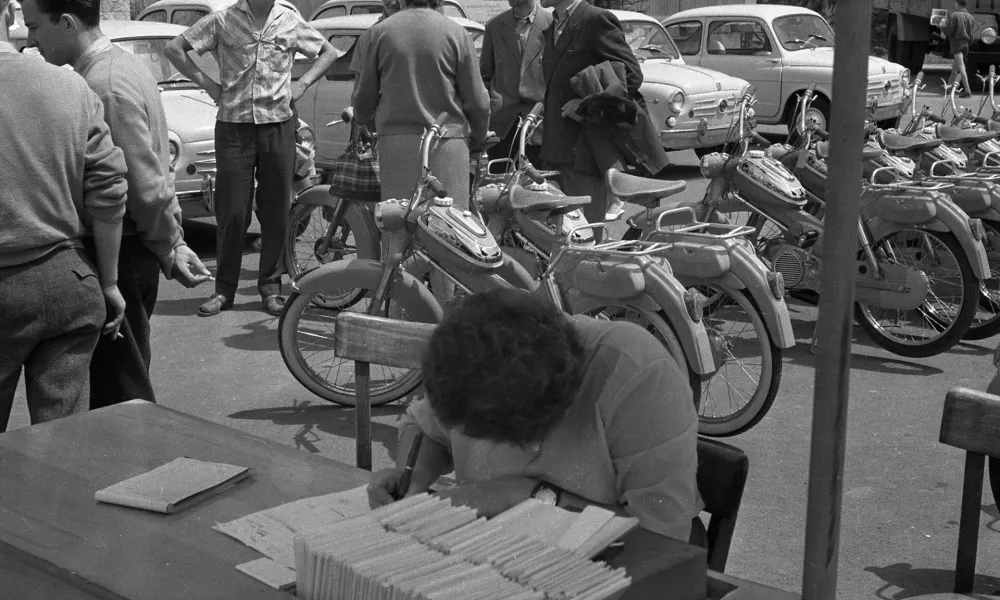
<point>676,102</point>
<point>304,136</point>
<point>989,35</point>
<point>175,152</point>
<point>904,78</point>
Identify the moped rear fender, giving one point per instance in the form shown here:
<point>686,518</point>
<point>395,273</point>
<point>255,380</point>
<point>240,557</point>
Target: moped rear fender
<point>751,274</point>
<point>366,239</point>
<point>317,194</point>
<point>949,218</point>
<point>990,214</point>
<point>411,294</point>
<point>668,293</point>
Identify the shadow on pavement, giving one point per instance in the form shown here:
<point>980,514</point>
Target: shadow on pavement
<point>257,336</point>
<point>801,354</point>
<point>915,582</point>
<point>970,349</point>
<point>330,419</point>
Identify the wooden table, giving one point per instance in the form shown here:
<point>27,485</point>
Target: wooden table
<point>58,543</point>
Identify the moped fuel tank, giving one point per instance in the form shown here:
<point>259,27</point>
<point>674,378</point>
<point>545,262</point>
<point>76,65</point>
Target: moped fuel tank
<point>763,182</point>
<point>458,238</point>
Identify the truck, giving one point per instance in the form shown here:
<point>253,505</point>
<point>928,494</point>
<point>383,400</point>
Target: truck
<point>915,27</point>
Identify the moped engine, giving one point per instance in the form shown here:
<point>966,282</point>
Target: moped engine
<point>797,266</point>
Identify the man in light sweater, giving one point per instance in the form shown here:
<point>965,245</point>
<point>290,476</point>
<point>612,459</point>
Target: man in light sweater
<point>68,32</point>
<point>60,178</point>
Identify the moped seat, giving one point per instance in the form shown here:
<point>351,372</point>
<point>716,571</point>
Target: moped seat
<point>529,201</point>
<point>641,190</point>
<point>960,137</point>
<point>905,144</point>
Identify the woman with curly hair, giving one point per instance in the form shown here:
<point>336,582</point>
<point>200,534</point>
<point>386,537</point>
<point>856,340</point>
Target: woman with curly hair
<point>526,401</point>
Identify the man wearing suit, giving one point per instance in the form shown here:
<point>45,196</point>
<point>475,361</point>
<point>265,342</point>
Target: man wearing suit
<point>512,70</point>
<point>581,36</point>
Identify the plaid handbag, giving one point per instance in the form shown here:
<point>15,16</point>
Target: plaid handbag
<point>355,173</point>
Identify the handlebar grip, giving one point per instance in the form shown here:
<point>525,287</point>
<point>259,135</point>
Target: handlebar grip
<point>437,187</point>
<point>535,176</point>
<point>822,134</point>
<point>981,120</point>
<point>347,115</point>
<point>536,110</point>
<point>440,121</point>
<point>761,140</point>
<point>935,119</point>
<point>920,78</point>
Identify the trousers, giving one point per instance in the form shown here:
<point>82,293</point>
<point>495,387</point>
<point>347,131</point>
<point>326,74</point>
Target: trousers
<point>53,310</point>
<point>119,370</point>
<point>244,153</point>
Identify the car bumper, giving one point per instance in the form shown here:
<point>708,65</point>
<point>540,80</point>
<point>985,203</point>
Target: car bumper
<point>200,203</point>
<point>685,137</point>
<point>890,111</point>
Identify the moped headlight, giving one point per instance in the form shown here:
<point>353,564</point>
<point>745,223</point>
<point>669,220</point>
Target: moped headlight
<point>711,165</point>
<point>989,36</point>
<point>676,102</point>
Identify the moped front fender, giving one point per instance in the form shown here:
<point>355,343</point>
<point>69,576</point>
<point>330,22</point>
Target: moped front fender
<point>410,293</point>
<point>949,218</point>
<point>317,194</point>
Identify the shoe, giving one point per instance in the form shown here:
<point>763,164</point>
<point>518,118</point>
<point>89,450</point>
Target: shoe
<point>215,304</point>
<point>965,95</point>
<point>274,305</point>
<point>615,211</point>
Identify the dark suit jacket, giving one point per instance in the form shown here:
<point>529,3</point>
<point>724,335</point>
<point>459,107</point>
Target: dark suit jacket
<point>592,36</point>
<point>517,78</point>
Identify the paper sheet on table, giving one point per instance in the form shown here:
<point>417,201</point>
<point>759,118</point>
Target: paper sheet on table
<point>272,532</point>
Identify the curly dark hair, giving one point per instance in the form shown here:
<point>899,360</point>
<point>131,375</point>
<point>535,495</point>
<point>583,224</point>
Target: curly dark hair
<point>503,365</point>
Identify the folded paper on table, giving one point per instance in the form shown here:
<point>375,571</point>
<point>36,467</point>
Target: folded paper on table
<point>271,531</point>
<point>270,573</point>
<point>174,486</point>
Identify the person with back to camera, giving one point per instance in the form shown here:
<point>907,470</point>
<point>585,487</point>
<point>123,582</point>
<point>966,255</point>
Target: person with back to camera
<point>419,64</point>
<point>526,401</point>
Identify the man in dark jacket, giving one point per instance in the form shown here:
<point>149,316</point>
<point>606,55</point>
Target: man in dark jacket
<point>511,63</point>
<point>582,36</point>
<point>960,30</point>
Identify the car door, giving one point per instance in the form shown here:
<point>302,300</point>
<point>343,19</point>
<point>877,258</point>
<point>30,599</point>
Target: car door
<point>330,96</point>
<point>742,47</point>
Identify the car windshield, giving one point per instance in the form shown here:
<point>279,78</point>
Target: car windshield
<point>150,50</point>
<point>649,40</point>
<point>798,32</point>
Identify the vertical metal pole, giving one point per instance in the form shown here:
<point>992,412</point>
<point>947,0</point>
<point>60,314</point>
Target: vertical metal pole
<point>832,385</point>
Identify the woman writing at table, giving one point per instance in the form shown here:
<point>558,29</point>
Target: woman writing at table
<point>525,401</point>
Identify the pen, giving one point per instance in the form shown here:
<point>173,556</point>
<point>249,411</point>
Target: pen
<point>411,462</point>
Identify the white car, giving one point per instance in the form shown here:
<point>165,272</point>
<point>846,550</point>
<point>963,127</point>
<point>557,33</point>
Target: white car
<point>325,100</point>
<point>691,107</point>
<point>341,8</point>
<point>781,50</point>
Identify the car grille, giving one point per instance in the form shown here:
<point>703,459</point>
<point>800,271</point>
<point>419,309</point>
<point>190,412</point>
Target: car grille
<point>708,106</point>
<point>205,162</point>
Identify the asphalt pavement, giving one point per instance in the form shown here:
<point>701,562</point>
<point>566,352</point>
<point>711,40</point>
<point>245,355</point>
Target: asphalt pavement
<point>902,488</point>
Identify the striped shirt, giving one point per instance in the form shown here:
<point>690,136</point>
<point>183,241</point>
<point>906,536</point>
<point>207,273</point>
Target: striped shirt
<point>255,67</point>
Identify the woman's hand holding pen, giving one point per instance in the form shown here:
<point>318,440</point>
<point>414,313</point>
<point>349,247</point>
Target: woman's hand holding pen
<point>385,485</point>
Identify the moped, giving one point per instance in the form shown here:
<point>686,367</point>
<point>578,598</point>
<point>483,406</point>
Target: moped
<point>745,312</point>
<point>894,299</point>
<point>426,234</point>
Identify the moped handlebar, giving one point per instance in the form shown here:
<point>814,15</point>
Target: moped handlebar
<point>533,173</point>
<point>537,110</point>
<point>760,140</point>
<point>934,118</point>
<point>437,187</point>
<point>821,133</point>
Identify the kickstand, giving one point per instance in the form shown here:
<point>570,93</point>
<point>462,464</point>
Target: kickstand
<point>814,344</point>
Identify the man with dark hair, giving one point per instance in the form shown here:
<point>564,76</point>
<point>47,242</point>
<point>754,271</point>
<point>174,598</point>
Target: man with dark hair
<point>960,30</point>
<point>254,42</point>
<point>525,401</point>
<point>63,178</point>
<point>511,63</point>
<point>68,32</point>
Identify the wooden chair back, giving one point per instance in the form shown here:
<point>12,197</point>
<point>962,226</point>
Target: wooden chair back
<point>722,476</point>
<point>971,421</point>
<point>375,340</point>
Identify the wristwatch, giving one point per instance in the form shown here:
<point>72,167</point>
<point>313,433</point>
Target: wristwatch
<point>547,493</point>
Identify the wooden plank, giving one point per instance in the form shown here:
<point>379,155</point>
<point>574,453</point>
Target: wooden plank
<point>836,308</point>
<point>380,341</point>
<point>50,472</point>
<point>971,421</point>
<point>968,527</point>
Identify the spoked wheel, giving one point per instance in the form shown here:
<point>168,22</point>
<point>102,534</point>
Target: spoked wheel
<point>944,317</point>
<point>655,324</point>
<point>986,322</point>
<point>313,240</point>
<point>306,341</point>
<point>738,395</point>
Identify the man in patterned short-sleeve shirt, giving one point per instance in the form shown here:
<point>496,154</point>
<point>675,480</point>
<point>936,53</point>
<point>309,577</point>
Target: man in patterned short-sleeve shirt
<point>254,42</point>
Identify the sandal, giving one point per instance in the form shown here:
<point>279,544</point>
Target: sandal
<point>215,304</point>
<point>274,305</point>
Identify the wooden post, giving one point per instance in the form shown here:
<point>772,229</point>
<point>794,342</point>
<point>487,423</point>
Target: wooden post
<point>836,308</point>
<point>363,416</point>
